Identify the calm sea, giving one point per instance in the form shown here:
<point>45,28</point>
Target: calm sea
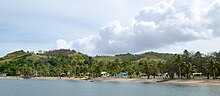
<point>14,87</point>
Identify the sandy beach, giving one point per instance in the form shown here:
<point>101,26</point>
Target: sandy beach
<point>175,81</point>
<point>141,80</point>
<point>42,78</point>
<point>92,79</point>
<point>127,80</point>
<point>56,78</point>
<point>193,82</point>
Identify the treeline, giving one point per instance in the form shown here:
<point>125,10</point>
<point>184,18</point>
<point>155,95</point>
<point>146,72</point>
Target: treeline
<point>70,63</point>
<point>134,57</point>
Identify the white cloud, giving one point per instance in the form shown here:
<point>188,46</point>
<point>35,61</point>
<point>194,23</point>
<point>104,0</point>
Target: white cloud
<point>62,44</point>
<point>206,46</point>
<point>45,21</point>
<point>155,27</point>
<point>213,15</point>
<point>86,44</point>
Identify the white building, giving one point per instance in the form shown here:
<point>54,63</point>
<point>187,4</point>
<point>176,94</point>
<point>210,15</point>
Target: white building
<point>104,74</point>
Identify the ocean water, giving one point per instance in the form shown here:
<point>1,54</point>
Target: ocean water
<point>28,87</point>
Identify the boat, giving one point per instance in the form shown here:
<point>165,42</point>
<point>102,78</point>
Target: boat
<point>90,80</point>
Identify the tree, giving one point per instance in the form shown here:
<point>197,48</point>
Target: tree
<point>171,68</point>
<point>187,65</point>
<point>78,63</point>
<point>26,70</point>
<point>146,68</point>
<point>199,62</point>
<point>212,67</point>
<point>96,69</point>
<point>189,69</point>
<point>178,61</point>
<point>161,67</point>
<point>132,69</point>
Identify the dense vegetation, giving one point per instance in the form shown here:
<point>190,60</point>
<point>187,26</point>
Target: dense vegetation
<point>71,63</point>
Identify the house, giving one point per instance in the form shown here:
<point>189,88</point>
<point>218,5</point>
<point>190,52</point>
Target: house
<point>197,75</point>
<point>3,75</point>
<point>122,75</point>
<point>104,74</point>
<point>165,75</point>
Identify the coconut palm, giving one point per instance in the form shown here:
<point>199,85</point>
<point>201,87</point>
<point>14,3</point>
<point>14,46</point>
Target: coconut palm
<point>212,67</point>
<point>161,67</point>
<point>179,63</point>
<point>189,69</point>
<point>198,61</point>
<point>146,68</point>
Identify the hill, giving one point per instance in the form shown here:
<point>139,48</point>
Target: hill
<point>135,57</point>
<point>105,58</point>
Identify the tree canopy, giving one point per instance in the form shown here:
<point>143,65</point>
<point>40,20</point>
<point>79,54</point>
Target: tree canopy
<point>70,63</point>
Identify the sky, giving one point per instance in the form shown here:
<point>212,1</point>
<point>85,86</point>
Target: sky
<point>108,27</point>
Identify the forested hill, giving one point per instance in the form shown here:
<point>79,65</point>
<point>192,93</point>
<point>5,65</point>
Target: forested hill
<point>135,57</point>
<point>66,52</point>
<point>42,55</point>
<point>66,62</point>
<point>56,60</point>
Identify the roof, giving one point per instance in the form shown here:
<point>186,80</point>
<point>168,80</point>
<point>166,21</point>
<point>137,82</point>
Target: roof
<point>103,72</point>
<point>197,73</point>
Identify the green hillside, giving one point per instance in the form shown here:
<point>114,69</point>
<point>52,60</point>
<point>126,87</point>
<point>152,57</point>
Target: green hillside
<point>151,58</point>
<point>65,62</point>
<point>105,58</point>
<point>135,57</point>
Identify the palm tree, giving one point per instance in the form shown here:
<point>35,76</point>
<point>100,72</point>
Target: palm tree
<point>77,63</point>
<point>146,68</point>
<point>161,67</point>
<point>96,69</point>
<point>179,63</point>
<point>198,61</point>
<point>189,69</point>
<point>170,68</point>
<point>212,67</point>
<point>117,63</point>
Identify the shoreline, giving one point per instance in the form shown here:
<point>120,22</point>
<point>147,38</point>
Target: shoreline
<point>139,80</point>
<point>41,78</point>
<point>193,82</point>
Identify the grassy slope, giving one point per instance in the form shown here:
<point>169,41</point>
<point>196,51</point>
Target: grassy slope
<point>26,56</point>
<point>151,58</point>
<point>105,58</point>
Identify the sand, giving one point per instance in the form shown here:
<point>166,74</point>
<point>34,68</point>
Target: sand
<point>192,81</point>
<point>126,79</point>
<point>41,78</point>
<point>141,80</point>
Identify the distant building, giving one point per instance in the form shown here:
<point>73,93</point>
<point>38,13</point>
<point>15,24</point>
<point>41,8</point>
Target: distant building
<point>104,74</point>
<point>3,75</point>
<point>122,74</point>
<point>196,75</point>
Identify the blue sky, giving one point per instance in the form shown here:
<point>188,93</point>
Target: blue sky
<point>109,26</point>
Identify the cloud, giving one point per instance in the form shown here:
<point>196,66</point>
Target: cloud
<point>45,21</point>
<point>213,15</point>
<point>164,24</point>
<point>62,44</point>
<point>86,44</point>
<point>203,45</point>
